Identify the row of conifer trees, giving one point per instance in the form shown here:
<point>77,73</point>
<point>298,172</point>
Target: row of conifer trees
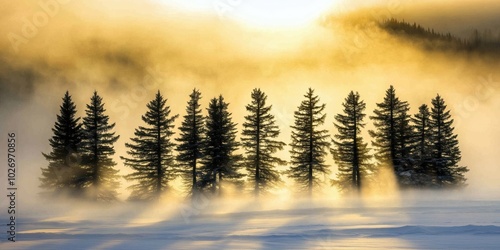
<point>422,150</point>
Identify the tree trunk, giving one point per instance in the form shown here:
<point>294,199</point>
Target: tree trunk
<point>311,132</point>
<point>257,153</point>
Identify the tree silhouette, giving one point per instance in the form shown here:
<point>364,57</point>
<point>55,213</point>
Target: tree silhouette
<point>426,37</point>
<point>221,162</point>
<point>421,150</point>
<point>392,134</point>
<point>151,156</point>
<point>97,145</point>
<point>309,143</point>
<point>64,159</point>
<point>191,142</point>
<point>259,140</point>
<point>350,152</point>
<point>445,150</point>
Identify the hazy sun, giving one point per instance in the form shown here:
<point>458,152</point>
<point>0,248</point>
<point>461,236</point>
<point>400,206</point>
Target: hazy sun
<point>290,13</point>
<point>262,13</point>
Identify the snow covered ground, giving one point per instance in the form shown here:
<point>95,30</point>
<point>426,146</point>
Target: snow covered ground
<point>395,223</point>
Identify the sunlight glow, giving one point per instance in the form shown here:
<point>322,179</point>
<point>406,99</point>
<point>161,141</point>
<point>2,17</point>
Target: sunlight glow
<point>261,13</point>
<point>155,213</point>
<point>281,14</point>
<point>67,219</point>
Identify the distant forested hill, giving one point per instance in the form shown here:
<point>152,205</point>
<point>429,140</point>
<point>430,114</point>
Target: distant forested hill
<point>483,42</point>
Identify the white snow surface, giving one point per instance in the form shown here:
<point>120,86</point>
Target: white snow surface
<point>402,223</point>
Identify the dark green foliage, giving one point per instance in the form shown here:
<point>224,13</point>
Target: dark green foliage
<point>221,163</point>
<point>349,151</point>
<point>404,142</point>
<point>309,143</point>
<point>60,176</point>
<point>100,177</point>
<point>259,140</point>
<point>151,157</point>
<point>421,151</point>
<point>445,151</point>
<point>392,137</point>
<point>191,143</point>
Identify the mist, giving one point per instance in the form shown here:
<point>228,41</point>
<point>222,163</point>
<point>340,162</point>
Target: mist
<point>129,50</point>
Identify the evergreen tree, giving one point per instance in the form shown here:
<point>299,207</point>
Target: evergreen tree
<point>259,140</point>
<point>191,142</point>
<point>405,137</point>
<point>350,152</point>
<point>445,151</point>
<point>64,159</point>
<point>97,145</point>
<point>150,152</point>
<point>220,163</point>
<point>309,143</point>
<point>421,151</point>
<point>392,137</point>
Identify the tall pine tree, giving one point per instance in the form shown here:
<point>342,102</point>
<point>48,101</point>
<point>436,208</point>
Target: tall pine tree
<point>350,152</point>
<point>392,134</point>
<point>64,160</point>
<point>309,143</point>
<point>445,150</point>
<point>259,140</point>
<point>151,157</point>
<point>100,177</point>
<point>421,150</point>
<point>191,143</point>
<point>221,163</point>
